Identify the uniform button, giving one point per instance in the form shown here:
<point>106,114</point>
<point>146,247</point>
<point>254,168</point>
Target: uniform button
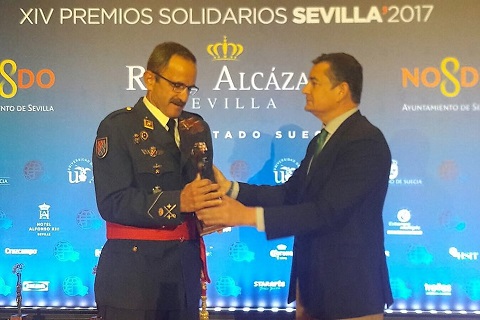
<point>135,249</point>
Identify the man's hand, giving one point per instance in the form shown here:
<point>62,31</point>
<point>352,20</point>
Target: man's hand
<point>221,180</point>
<point>199,194</point>
<point>229,213</point>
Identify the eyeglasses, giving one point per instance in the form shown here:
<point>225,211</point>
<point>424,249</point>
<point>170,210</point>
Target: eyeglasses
<point>178,87</point>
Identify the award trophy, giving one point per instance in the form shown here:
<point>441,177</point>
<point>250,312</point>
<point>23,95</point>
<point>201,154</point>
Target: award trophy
<point>198,152</point>
<point>190,128</point>
<point>17,269</point>
<point>199,156</point>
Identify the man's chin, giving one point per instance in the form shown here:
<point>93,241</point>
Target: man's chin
<point>176,110</point>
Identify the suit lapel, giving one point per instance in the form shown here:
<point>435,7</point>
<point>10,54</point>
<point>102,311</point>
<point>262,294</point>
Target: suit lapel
<point>320,166</point>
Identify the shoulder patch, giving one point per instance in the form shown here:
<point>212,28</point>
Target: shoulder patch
<point>101,147</point>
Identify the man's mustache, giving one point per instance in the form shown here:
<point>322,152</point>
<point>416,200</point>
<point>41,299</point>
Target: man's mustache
<point>178,102</point>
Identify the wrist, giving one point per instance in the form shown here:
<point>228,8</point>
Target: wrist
<point>230,189</point>
<point>252,217</point>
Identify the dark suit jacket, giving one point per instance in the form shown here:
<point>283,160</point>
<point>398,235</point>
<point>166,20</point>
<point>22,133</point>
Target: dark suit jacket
<point>335,214</point>
<point>133,160</point>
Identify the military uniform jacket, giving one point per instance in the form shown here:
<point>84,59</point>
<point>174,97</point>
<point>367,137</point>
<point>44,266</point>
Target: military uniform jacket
<point>139,172</point>
<point>335,213</point>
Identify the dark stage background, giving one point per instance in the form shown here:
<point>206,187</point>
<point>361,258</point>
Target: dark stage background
<point>64,65</point>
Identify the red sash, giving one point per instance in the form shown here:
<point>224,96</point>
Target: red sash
<point>186,231</point>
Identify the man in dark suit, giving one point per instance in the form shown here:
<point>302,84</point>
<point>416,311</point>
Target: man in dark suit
<point>332,203</point>
<point>147,189</point>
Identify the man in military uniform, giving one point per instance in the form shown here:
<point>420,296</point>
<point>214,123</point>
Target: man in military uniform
<point>147,183</point>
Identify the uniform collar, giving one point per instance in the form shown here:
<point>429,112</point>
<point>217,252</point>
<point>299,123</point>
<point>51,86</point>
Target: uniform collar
<point>162,118</point>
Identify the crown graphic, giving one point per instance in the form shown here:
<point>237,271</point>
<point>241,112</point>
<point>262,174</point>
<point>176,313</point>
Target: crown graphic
<point>44,207</point>
<point>225,50</point>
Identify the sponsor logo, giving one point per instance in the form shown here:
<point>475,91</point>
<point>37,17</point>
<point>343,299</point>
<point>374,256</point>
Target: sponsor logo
<point>239,251</point>
<point>284,169</point>
<point>35,285</point>
<point>281,252</point>
<point>459,255</point>
<point>395,173</point>
<point>33,170</point>
<point>438,289</point>
<point>269,285</point>
<point>29,252</point>
<point>419,255</point>
<point>44,228</point>
<point>4,181</point>
<point>448,170</point>
<point>13,79</point>
<point>80,171</point>
<point>450,77</point>
<point>403,226</point>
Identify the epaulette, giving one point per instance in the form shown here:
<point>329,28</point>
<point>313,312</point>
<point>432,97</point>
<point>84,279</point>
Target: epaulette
<point>119,111</point>
<point>187,114</point>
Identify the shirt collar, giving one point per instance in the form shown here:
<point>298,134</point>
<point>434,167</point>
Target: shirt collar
<point>334,124</point>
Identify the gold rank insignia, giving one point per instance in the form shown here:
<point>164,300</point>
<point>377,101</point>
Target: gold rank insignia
<point>166,211</point>
<point>152,151</point>
<point>156,168</point>
<point>147,123</point>
<point>144,135</point>
<point>136,138</point>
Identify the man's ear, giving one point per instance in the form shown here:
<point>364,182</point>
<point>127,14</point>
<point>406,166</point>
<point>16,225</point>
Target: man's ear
<point>149,79</point>
<point>343,90</point>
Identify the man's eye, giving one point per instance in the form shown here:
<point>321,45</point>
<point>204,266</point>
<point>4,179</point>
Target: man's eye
<point>179,86</point>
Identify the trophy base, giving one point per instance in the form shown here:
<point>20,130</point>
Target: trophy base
<point>211,229</point>
<point>20,317</point>
<point>204,230</point>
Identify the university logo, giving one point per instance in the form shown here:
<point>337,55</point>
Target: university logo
<point>79,171</point>
<point>284,169</point>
